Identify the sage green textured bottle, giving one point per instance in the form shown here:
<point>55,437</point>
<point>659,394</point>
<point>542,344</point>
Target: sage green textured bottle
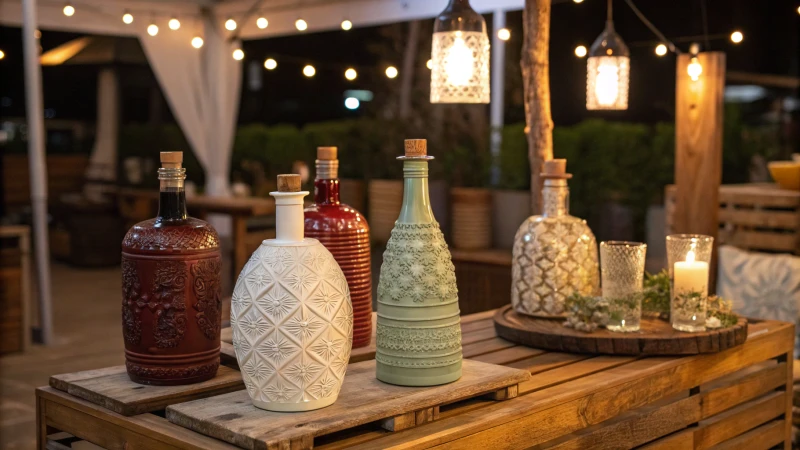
<point>419,327</point>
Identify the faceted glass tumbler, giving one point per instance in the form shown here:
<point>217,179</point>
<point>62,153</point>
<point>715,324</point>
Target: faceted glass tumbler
<point>689,258</point>
<point>622,273</point>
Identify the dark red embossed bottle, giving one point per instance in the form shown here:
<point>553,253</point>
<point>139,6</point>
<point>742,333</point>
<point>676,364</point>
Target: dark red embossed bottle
<point>345,233</point>
<point>171,292</point>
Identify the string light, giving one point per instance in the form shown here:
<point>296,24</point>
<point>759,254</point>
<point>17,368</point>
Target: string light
<point>230,24</point>
<point>301,25</point>
<point>429,64</point>
<point>152,29</point>
<point>351,103</point>
<point>736,37</point>
<point>504,34</point>
<point>238,54</point>
<point>391,72</point>
<point>262,22</point>
<point>347,25</point>
<point>2,54</point>
<point>350,74</point>
<point>309,71</point>
<point>798,10</point>
<point>270,64</point>
<point>127,18</point>
<point>580,51</point>
<point>661,49</point>
<point>578,1</point>
<point>197,42</point>
<point>174,24</point>
<point>69,10</point>
<point>608,70</point>
<point>694,69</point>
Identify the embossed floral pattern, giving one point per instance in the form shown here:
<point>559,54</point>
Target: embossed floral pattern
<point>208,292</point>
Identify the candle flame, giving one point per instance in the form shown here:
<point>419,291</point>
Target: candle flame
<point>690,256</point>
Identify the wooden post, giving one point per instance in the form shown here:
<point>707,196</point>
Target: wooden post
<point>536,79</point>
<point>698,147</point>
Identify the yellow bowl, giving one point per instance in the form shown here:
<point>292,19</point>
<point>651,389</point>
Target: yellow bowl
<point>786,174</point>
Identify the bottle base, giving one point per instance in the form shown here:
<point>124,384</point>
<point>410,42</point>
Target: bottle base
<point>402,376</point>
<point>296,407</point>
<point>689,328</point>
<point>622,328</point>
<point>171,376</point>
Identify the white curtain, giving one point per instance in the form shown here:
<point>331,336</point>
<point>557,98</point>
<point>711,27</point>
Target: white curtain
<point>202,89</point>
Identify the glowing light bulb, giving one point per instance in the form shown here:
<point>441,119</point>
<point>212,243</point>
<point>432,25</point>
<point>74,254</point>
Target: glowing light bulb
<point>152,29</point>
<point>270,64</point>
<point>459,63</point>
<point>230,24</point>
<point>2,54</point>
<point>69,10</point>
<point>578,1</point>
<point>661,50</point>
<point>391,72</point>
<point>736,37</point>
<point>309,71</point>
<point>238,54</point>
<point>606,86</point>
<point>197,42</point>
<point>346,25</point>
<point>350,74</point>
<point>262,22</point>
<point>127,18</point>
<point>504,34</point>
<point>694,70</point>
<point>174,24</point>
<point>580,51</point>
<point>301,25</point>
<point>798,10</point>
<point>351,103</point>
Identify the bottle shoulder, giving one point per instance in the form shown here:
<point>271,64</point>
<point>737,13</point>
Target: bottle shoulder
<point>334,218</point>
<point>565,225</point>
<point>191,235</point>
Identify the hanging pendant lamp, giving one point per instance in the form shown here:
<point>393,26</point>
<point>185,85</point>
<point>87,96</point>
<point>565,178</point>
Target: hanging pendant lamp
<point>460,56</point>
<point>608,70</point>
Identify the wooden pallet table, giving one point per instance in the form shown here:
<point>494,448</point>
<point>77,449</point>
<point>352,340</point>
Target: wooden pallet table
<point>737,398</point>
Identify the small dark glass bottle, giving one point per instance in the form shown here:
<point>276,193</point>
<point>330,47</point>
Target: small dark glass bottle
<point>171,292</point>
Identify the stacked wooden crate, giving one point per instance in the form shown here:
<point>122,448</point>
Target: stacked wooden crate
<point>14,288</point>
<point>755,216</point>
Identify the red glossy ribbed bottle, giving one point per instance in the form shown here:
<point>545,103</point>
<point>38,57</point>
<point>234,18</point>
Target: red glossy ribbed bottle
<point>345,233</point>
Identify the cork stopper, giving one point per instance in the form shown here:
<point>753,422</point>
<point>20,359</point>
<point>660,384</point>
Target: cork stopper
<point>416,148</point>
<point>171,160</point>
<point>555,169</point>
<point>327,153</point>
<point>289,183</point>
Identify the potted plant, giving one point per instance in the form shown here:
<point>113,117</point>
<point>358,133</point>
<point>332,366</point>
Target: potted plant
<point>470,199</point>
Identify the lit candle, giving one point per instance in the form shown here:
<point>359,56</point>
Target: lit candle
<point>691,275</point>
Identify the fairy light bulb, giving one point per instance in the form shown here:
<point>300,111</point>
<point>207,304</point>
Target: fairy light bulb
<point>504,34</point>
<point>2,54</point>
<point>661,49</point>
<point>262,22</point>
<point>152,29</point>
<point>301,25</point>
<point>429,64</point>
<point>580,51</point>
<point>238,54</point>
<point>174,24</point>
<point>737,37</point>
<point>350,74</point>
<point>69,10</point>
<point>391,72</point>
<point>309,71</point>
<point>694,69</point>
<point>230,24</point>
<point>347,25</point>
<point>197,42</point>
<point>270,64</point>
<point>127,18</point>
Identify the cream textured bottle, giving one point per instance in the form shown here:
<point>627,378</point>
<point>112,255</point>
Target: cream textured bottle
<point>291,315</point>
<point>555,254</point>
<point>419,328</point>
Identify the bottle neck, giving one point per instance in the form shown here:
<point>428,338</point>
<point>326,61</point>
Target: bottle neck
<point>555,198</point>
<point>172,197</point>
<point>326,184</point>
<point>416,197</point>
<point>289,216</point>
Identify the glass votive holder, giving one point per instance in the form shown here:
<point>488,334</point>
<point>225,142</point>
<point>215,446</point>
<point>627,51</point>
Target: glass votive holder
<point>688,259</point>
<point>622,272</point>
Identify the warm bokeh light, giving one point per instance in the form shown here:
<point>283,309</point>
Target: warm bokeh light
<point>152,29</point>
<point>270,64</point>
<point>661,50</point>
<point>262,22</point>
<point>69,10</point>
<point>2,54</point>
<point>238,54</point>
<point>127,18</point>
<point>578,1</point>
<point>736,37</point>
<point>197,42</point>
<point>174,24</point>
<point>580,51</point>
<point>350,74</point>
<point>694,69</point>
<point>230,24</point>
<point>309,71</point>
<point>429,64</point>
<point>504,34</point>
<point>346,25</point>
<point>301,25</point>
<point>391,72</point>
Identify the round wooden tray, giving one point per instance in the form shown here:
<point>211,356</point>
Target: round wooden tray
<point>656,337</point>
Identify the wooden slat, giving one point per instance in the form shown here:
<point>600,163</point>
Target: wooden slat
<point>763,437</point>
<point>113,389</point>
<point>476,336</point>
<point>477,325</point>
<point>548,413</point>
<point>573,371</point>
<point>509,355</point>
<point>756,218</point>
<point>762,240</point>
<point>487,346</point>
<point>548,361</point>
<point>363,399</point>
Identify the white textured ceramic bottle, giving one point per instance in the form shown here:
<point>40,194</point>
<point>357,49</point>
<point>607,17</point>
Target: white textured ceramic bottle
<point>291,315</point>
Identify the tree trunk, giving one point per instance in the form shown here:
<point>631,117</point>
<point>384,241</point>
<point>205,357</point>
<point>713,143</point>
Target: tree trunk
<point>536,79</point>
<point>408,69</point>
